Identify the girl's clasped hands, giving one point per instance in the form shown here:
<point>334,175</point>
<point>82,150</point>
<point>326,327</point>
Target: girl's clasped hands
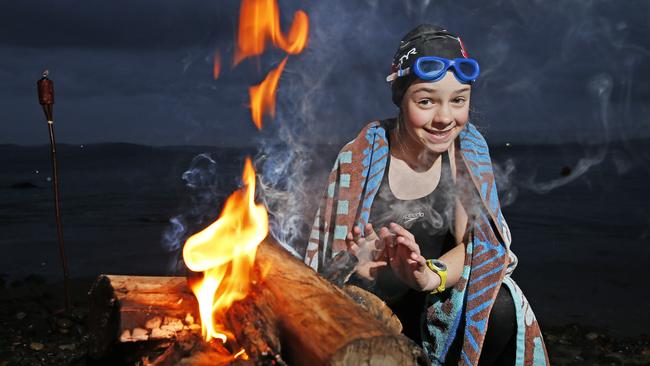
<point>393,247</point>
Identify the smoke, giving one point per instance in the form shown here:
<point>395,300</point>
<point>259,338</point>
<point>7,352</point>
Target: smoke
<point>537,59</point>
<point>206,193</point>
<point>416,8</point>
<point>504,174</point>
<point>295,153</point>
<point>600,88</point>
<point>543,82</point>
<point>282,164</point>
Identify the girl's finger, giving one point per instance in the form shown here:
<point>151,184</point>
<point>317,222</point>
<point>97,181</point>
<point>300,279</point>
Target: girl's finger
<point>374,266</point>
<point>420,259</point>
<point>410,244</point>
<point>353,248</point>
<point>391,252</point>
<point>356,233</point>
<point>378,264</point>
<point>351,244</point>
<point>387,237</point>
<point>369,231</point>
<point>401,231</point>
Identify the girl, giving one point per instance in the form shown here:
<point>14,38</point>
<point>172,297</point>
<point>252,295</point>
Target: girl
<point>414,199</point>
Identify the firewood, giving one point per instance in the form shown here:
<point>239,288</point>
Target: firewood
<point>375,307</point>
<point>139,308</point>
<point>292,315</point>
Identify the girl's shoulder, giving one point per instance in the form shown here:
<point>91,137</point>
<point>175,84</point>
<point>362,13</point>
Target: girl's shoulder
<point>371,130</point>
<point>371,137</point>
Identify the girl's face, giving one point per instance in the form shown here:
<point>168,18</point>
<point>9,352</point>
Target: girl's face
<point>435,112</point>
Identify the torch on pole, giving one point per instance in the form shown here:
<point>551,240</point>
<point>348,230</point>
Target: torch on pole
<point>46,99</point>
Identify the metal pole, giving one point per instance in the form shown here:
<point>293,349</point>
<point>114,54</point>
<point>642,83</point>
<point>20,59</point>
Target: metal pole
<point>46,99</point>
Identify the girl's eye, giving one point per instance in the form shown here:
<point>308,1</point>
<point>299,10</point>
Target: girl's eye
<point>458,100</point>
<point>425,102</point>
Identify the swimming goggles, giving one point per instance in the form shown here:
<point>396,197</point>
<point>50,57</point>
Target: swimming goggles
<point>432,68</point>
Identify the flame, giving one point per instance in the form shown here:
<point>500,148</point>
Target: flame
<point>225,253</point>
<point>259,23</point>
<point>262,96</point>
<point>216,69</point>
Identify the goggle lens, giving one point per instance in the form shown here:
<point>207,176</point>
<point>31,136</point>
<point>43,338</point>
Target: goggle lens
<point>468,69</point>
<point>432,67</point>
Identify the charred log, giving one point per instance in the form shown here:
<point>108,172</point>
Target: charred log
<point>292,315</point>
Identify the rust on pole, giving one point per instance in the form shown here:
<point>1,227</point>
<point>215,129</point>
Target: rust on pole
<point>46,99</point>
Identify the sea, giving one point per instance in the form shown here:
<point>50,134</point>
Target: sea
<point>579,217</point>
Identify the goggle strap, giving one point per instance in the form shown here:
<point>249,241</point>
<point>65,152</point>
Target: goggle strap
<point>399,73</point>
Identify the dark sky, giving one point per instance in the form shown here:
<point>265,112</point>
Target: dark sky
<point>140,71</point>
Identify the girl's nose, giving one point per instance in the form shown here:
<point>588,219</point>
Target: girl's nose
<point>443,115</point>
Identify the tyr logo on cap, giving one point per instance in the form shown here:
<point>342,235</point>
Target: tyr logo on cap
<point>405,57</point>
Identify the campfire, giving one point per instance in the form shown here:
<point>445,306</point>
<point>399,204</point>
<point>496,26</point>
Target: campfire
<point>255,304</point>
<point>252,302</point>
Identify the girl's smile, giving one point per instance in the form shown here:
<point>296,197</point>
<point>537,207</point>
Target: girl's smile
<point>433,114</point>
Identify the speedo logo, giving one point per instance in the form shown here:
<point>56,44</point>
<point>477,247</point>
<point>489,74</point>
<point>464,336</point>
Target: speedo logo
<point>405,57</point>
<point>412,216</point>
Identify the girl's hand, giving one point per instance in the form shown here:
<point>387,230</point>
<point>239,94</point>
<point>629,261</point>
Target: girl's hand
<point>367,249</point>
<point>405,260</point>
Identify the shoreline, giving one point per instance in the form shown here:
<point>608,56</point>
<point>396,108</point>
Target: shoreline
<point>37,331</point>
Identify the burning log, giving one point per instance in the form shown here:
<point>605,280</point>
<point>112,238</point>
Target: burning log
<point>132,309</point>
<point>292,314</point>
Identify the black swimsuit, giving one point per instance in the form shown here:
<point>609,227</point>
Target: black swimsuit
<point>430,219</point>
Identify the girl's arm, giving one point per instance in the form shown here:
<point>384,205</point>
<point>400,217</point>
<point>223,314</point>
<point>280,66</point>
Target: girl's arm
<point>455,258</point>
<point>420,276</point>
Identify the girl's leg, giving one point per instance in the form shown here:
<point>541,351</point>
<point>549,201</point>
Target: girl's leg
<point>499,347</point>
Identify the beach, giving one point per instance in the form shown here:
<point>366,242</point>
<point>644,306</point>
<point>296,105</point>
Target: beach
<point>582,241</point>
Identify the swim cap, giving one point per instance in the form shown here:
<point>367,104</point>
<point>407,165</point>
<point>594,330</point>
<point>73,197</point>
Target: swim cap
<point>423,40</point>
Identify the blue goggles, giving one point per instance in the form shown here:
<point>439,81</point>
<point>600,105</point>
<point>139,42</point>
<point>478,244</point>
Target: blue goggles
<point>432,68</point>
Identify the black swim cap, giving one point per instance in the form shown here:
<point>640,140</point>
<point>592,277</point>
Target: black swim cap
<point>423,40</point>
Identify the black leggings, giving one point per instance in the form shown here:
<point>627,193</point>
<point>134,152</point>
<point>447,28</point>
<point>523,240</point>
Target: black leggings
<point>499,347</point>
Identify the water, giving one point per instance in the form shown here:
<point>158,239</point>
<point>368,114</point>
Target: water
<point>582,247</point>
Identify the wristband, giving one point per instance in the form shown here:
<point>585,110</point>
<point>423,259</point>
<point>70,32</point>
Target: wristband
<point>439,268</point>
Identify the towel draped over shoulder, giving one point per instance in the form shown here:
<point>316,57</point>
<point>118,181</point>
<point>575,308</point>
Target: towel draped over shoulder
<point>351,189</point>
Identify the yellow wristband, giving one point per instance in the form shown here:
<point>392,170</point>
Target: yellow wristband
<point>439,268</point>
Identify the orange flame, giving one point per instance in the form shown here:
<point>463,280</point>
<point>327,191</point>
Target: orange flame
<point>259,23</point>
<point>225,252</point>
<point>216,69</point>
<point>262,96</point>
